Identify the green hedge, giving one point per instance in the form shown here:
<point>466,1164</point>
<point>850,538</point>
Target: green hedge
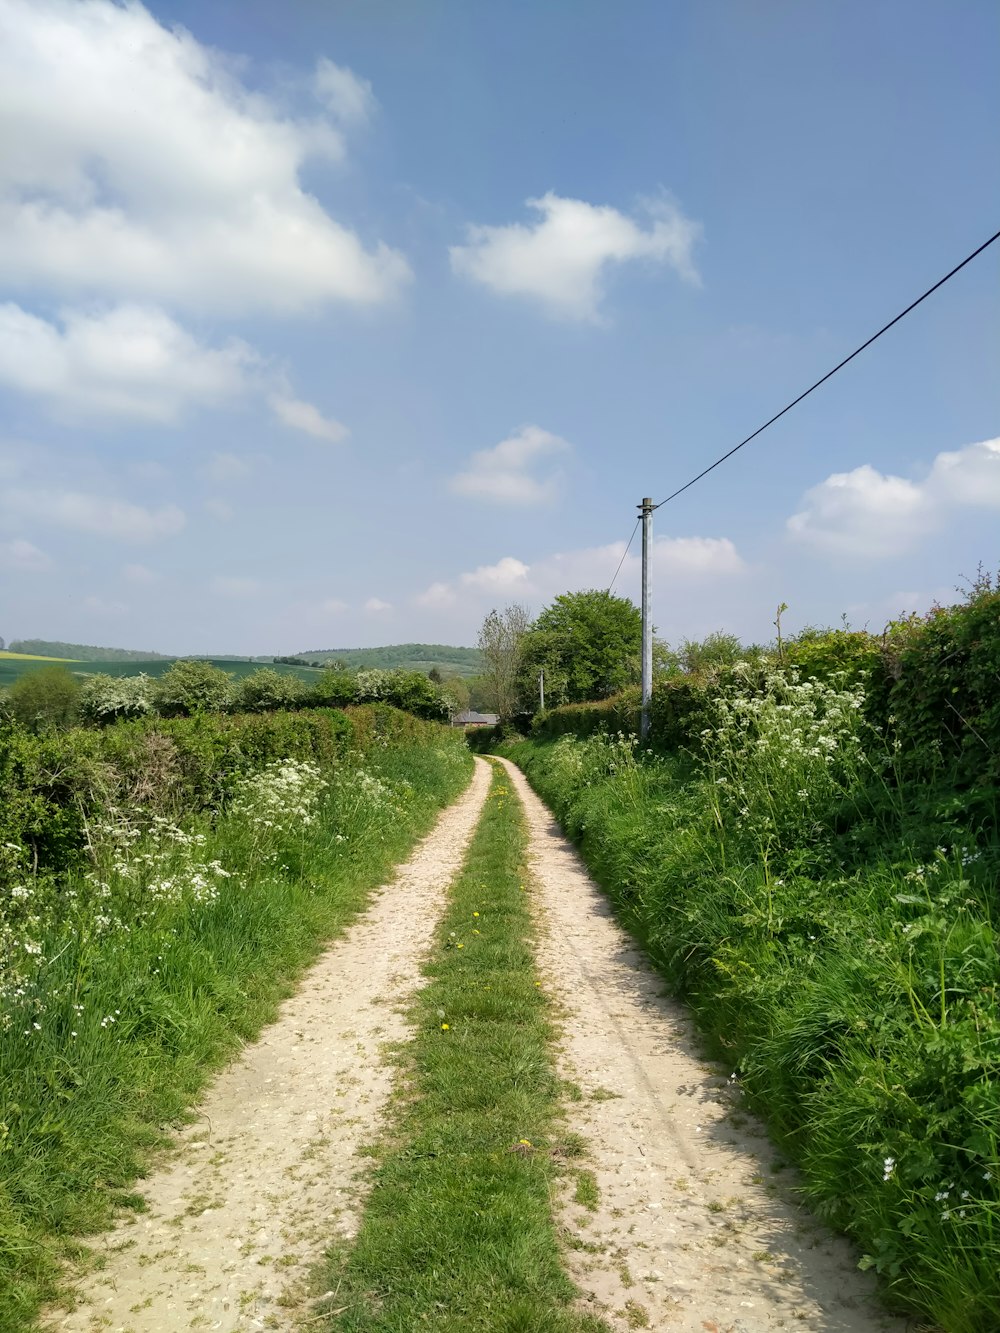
<point>52,786</point>
<point>932,688</point>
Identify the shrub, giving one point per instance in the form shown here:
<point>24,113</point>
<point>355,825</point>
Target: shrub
<point>44,699</point>
<point>112,698</point>
<point>192,687</point>
<point>334,689</point>
<point>263,691</point>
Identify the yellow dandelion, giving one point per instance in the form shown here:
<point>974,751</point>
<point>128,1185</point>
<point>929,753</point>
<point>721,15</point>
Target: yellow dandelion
<point>475,913</point>
<point>444,1027</point>
<point>525,1142</point>
<point>461,946</point>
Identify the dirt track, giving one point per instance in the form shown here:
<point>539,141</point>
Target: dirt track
<point>266,1178</point>
<point>694,1231</point>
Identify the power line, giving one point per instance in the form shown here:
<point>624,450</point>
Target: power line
<point>624,554</point>
<point>840,365</point>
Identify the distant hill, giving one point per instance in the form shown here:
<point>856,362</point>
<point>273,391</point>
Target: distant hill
<point>448,659</point>
<point>81,652</point>
<point>12,667</point>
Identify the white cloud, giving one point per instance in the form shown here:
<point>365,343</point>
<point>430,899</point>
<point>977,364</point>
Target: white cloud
<point>436,596</point>
<point>131,362</point>
<point>696,560</point>
<point>507,574</point>
<point>235,586</point>
<point>220,509</point>
<point>503,473</point>
<point>100,606</point>
<point>969,476</point>
<point>224,467</point>
<point>868,514</point>
<point>348,98</point>
<point>23,556</point>
<point>139,574</point>
<point>561,260</point>
<point>376,605</point>
<point>142,168</point>
<point>333,606</point>
<point>304,416</point>
<point>103,516</point>
<point>711,556</point>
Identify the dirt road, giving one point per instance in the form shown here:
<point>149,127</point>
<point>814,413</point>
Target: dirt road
<point>694,1231</point>
<point>266,1178</point>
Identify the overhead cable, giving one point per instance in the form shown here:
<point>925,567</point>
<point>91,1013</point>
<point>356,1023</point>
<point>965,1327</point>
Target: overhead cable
<point>840,365</point>
<point>624,554</point>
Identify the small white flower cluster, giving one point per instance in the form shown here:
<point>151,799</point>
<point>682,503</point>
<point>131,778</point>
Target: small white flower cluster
<point>777,754</point>
<point>156,866</point>
<point>283,795</point>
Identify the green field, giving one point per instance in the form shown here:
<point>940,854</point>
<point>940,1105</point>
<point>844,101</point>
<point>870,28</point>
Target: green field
<point>449,659</point>
<point>13,666</point>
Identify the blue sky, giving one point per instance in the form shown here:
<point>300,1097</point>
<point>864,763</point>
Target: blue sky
<point>333,324</point>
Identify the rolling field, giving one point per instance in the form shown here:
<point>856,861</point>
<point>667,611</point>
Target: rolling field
<point>13,665</point>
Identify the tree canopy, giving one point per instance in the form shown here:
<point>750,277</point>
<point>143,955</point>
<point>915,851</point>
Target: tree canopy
<point>501,638</point>
<point>589,645</point>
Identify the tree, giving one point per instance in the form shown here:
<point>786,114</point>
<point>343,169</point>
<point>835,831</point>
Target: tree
<point>589,645</point>
<point>456,694</point>
<point>501,640</point>
<point>45,698</point>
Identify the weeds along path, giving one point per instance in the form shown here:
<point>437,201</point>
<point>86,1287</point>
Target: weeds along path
<point>690,1227</point>
<point>268,1173</point>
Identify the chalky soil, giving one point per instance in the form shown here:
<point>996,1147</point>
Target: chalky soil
<point>269,1173</point>
<point>693,1231</point>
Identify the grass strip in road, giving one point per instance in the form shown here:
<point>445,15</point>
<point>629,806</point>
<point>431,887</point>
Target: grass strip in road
<point>457,1233</point>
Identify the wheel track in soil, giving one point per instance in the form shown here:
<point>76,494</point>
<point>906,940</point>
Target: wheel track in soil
<point>269,1174</point>
<point>689,1204</point>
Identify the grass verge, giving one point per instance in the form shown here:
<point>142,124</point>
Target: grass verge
<point>152,975</point>
<point>847,968</point>
<point>457,1233</point>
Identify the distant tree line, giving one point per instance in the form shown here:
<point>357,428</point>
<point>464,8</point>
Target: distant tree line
<point>81,652</point>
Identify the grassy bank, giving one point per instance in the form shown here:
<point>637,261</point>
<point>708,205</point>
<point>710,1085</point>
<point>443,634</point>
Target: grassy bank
<point>833,931</point>
<point>130,977</point>
<point>457,1233</point>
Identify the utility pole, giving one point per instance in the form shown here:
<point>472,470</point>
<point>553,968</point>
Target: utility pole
<point>541,690</point>
<point>646,508</point>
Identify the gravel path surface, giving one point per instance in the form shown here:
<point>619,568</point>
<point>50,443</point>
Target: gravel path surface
<point>267,1177</point>
<point>694,1230</point>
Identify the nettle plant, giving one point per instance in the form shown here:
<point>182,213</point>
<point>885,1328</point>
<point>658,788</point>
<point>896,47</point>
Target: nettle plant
<point>778,756</point>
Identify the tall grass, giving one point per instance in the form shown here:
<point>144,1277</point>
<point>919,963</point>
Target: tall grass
<point>834,933</point>
<point>124,985</point>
